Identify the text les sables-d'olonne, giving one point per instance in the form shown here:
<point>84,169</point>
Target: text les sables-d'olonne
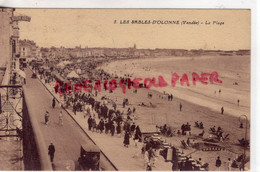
<point>170,22</point>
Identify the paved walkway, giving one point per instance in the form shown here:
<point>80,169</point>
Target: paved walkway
<point>67,138</point>
<point>125,159</point>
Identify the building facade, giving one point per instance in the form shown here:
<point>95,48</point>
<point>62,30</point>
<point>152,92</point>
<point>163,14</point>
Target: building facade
<point>9,40</point>
<point>6,39</point>
<point>28,50</point>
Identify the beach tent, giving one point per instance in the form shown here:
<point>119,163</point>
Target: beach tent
<point>148,130</point>
<point>64,63</point>
<point>72,74</point>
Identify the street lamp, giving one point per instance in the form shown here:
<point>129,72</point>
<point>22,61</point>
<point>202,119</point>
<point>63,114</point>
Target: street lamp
<point>245,145</point>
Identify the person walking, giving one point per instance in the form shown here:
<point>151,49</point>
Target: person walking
<point>222,110</point>
<point>149,167</point>
<point>60,118</point>
<point>218,163</point>
<point>88,111</point>
<point>146,159</point>
<point>89,123</point>
<point>229,164</point>
<point>180,106</point>
<point>238,102</point>
<point>139,133</point>
<point>126,139</point>
<point>51,152</point>
<point>114,106</point>
<point>47,118</point>
<point>93,124</point>
<point>136,138</point>
<point>118,129</point>
<point>200,161</point>
<point>112,128</point>
<point>132,128</point>
<point>115,125</point>
<point>107,126</point>
<point>188,141</point>
<point>153,157</point>
<point>101,125</point>
<point>53,102</point>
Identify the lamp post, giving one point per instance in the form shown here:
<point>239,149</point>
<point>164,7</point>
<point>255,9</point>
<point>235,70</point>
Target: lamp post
<point>244,156</point>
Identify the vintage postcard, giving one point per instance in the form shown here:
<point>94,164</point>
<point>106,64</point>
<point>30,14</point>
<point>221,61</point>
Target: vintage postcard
<point>125,89</point>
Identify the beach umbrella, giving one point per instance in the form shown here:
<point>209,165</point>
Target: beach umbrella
<point>64,63</point>
<point>20,72</point>
<point>61,64</point>
<point>73,74</point>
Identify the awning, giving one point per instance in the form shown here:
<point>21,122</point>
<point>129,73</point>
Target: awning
<point>148,129</point>
<point>20,72</point>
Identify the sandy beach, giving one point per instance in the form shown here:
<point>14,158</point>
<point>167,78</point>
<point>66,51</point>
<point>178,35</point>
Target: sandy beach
<point>231,70</point>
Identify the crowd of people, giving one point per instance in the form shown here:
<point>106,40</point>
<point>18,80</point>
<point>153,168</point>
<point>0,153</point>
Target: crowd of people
<point>104,117</point>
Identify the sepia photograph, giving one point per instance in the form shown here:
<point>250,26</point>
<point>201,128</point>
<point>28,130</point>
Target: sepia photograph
<point>125,89</point>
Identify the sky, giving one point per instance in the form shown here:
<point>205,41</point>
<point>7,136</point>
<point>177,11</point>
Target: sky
<point>96,28</point>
